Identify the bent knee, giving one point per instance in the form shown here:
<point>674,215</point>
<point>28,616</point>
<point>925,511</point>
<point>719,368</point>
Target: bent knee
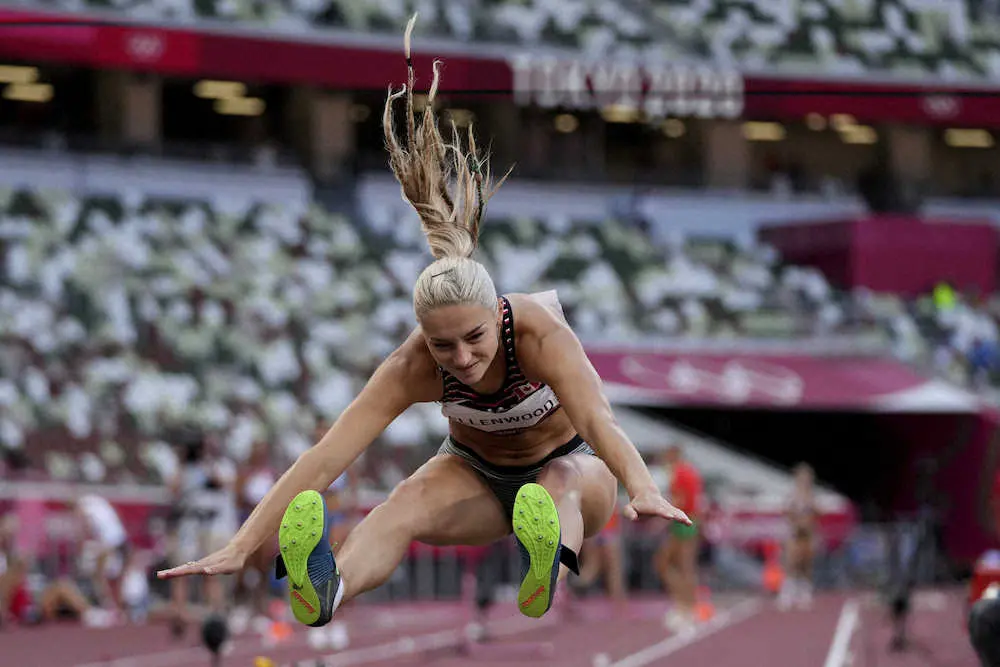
<point>410,489</point>
<point>561,475</point>
<point>407,504</point>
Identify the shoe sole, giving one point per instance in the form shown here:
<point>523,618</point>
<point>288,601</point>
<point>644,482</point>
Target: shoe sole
<point>301,530</point>
<point>536,525</point>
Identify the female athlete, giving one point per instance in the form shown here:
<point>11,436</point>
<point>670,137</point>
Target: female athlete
<point>525,407</point>
<point>677,559</point>
<point>802,513</point>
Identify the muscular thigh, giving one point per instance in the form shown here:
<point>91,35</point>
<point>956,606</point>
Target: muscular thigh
<point>688,552</point>
<point>800,549</point>
<point>668,552</point>
<point>598,490</point>
<point>450,504</point>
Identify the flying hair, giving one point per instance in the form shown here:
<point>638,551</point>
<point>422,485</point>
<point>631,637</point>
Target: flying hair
<point>448,187</point>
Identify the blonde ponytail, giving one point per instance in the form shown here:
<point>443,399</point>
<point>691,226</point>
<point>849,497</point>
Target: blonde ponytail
<point>450,212</point>
<point>449,189</point>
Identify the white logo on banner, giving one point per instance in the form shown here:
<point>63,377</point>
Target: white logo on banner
<point>657,90</point>
<point>941,106</point>
<point>144,46</point>
<point>734,382</point>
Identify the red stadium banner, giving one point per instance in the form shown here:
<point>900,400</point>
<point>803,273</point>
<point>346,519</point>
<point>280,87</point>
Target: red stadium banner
<point>47,526</point>
<point>749,528</point>
<point>43,37</point>
<point>338,67</point>
<point>53,38</point>
<point>35,36</point>
<point>174,52</point>
<point>930,104</point>
<point>672,89</point>
<point>896,254</point>
<point>663,378</point>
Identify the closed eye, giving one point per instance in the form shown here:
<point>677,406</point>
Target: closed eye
<point>471,337</point>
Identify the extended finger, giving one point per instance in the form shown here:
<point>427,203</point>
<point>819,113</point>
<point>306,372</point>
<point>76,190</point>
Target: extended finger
<point>169,574</point>
<point>218,568</point>
<point>179,571</point>
<point>677,515</point>
<point>221,563</point>
<point>191,567</point>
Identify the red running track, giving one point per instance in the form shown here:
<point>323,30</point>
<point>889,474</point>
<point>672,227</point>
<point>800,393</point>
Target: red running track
<point>745,632</point>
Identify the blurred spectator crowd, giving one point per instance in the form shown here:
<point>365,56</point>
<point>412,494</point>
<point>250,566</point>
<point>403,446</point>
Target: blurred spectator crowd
<point>125,318</point>
<point>947,39</point>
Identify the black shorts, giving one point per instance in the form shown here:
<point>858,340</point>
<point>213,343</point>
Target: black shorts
<point>504,481</point>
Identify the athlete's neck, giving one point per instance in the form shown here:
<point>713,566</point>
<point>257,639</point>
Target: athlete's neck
<point>495,375</point>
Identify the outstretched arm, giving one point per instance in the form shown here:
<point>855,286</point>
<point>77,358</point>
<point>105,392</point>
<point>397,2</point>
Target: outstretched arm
<point>395,386</point>
<point>561,363</point>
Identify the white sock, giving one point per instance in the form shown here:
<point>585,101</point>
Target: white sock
<point>787,591</point>
<point>339,596</point>
<point>804,589</point>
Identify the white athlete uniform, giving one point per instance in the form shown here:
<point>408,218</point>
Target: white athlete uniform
<point>208,509</point>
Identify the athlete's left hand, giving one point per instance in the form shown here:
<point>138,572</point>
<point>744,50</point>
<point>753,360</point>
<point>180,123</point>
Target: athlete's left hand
<point>654,504</point>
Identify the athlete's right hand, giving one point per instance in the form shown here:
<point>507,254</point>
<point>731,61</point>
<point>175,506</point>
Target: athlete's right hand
<point>226,560</point>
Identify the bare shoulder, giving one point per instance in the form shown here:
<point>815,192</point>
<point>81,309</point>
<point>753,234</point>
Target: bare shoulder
<point>537,303</point>
<point>537,314</point>
<point>412,365</point>
<point>540,325</point>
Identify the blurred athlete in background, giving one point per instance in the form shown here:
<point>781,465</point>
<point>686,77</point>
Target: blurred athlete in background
<point>602,556</point>
<point>800,548</point>
<point>677,560</point>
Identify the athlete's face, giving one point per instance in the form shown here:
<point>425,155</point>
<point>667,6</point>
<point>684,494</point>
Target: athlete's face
<point>462,339</point>
<point>804,478</point>
<point>672,456</point>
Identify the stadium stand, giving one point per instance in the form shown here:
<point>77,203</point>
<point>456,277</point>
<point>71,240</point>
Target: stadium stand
<point>164,311</point>
<point>918,37</point>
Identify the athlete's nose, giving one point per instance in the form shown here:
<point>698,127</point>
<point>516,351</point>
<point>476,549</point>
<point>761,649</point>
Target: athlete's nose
<point>463,356</point>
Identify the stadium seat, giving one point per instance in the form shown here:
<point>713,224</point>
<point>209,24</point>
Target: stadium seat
<point>130,316</point>
<point>920,37</point>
